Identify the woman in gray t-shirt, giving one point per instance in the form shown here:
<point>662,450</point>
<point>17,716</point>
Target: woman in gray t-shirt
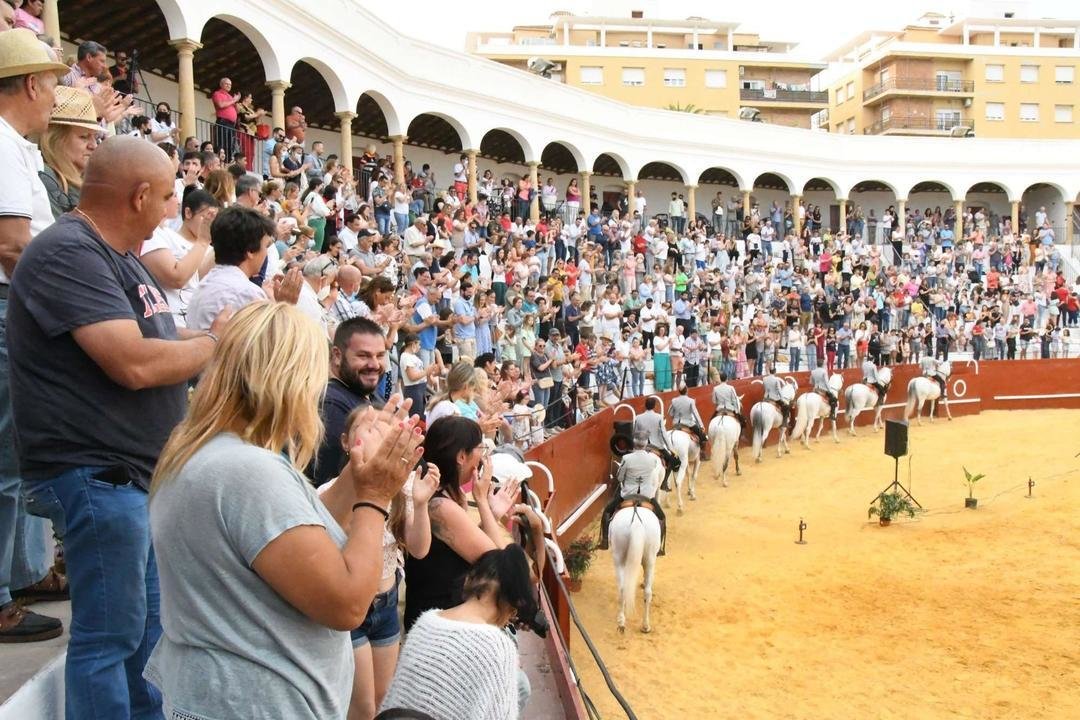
<point>259,583</point>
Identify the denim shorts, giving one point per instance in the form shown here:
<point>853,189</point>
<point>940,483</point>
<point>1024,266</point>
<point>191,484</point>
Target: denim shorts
<point>381,627</point>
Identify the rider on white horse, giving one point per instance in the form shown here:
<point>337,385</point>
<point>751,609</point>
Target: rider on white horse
<point>684,414</point>
<point>726,400</point>
<point>773,386</point>
<point>652,424</point>
<point>870,377</point>
<point>819,380</point>
<point>636,484</point>
<point>931,368</point>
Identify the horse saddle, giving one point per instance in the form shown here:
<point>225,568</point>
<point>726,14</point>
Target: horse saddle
<point>637,501</point>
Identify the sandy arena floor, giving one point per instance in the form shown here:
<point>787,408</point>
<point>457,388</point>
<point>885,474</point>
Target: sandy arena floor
<point>956,614</point>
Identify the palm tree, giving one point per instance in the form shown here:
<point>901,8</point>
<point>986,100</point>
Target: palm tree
<point>690,108</point>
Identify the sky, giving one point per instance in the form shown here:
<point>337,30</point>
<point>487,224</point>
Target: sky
<point>818,27</point>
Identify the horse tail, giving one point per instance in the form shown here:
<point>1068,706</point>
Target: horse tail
<point>758,422</point>
<point>635,553</point>
<point>801,413</point>
<point>912,398</point>
<point>849,391</point>
<point>720,450</point>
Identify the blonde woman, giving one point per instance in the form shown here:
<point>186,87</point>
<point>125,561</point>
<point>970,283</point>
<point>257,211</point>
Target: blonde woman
<point>259,583</point>
<point>221,185</point>
<point>66,146</point>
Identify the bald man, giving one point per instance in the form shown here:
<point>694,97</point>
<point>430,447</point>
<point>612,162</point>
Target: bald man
<point>345,306</point>
<point>99,379</point>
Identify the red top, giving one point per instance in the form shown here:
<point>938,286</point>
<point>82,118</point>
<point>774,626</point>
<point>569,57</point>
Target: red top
<point>220,97</point>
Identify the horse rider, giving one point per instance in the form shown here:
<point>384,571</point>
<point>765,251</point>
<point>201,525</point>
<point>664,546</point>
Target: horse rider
<point>870,377</point>
<point>651,423</point>
<point>773,386</point>
<point>684,414</point>
<point>636,486</point>
<point>819,380</point>
<point>931,368</point>
<point>727,401</point>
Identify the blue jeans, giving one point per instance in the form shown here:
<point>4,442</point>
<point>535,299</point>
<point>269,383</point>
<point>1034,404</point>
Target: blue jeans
<point>794,358</point>
<point>402,222</point>
<point>383,221</point>
<point>637,383</point>
<point>540,395</point>
<point>811,358</point>
<point>24,556</point>
<point>115,617</point>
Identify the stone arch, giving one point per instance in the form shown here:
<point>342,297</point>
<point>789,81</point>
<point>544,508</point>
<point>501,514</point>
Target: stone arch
<point>658,169</point>
<point>368,106</point>
<point>501,143</point>
<point>342,101</point>
<point>271,62</point>
<point>720,175</point>
<point>926,186</point>
<point>557,155</point>
<point>437,122</point>
<point>608,161</point>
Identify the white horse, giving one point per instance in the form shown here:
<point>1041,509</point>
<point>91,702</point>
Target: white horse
<point>685,447</point>
<point>765,416</point>
<point>923,388</point>
<point>724,431</point>
<point>859,397</point>
<point>810,407</point>
<point>635,540</point>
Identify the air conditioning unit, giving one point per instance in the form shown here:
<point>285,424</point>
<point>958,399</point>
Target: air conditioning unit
<point>967,102</point>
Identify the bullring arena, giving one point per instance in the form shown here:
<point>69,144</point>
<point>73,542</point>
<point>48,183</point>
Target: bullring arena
<point>955,613</point>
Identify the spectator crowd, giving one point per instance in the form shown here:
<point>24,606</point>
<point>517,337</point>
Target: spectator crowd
<point>266,399</point>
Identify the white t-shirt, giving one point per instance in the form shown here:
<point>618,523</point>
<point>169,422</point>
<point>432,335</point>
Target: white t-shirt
<point>165,238</point>
<point>22,193</point>
<point>647,315</point>
<point>408,360</point>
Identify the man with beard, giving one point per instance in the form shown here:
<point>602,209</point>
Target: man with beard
<point>357,363</point>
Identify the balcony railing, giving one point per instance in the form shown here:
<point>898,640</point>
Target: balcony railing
<point>964,87</point>
<point>778,95</point>
<point>900,122</point>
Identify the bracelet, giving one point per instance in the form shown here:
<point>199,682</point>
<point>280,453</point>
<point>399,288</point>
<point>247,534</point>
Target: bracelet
<point>212,336</point>
<point>382,511</point>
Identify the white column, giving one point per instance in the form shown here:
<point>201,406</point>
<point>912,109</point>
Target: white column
<point>185,81</point>
<point>1076,40</point>
<point>648,37</point>
<point>1036,43</point>
<point>730,40</point>
<point>967,38</point>
<point>695,39</point>
<point>345,119</point>
<point>566,34</point>
<point>603,36</point>
<point>997,37</point>
<point>50,15</point>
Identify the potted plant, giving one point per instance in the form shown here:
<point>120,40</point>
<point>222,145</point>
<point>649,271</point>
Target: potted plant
<point>971,502</point>
<point>888,505</point>
<point>578,557</point>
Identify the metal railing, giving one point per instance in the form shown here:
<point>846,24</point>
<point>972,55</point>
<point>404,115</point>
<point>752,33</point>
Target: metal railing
<point>965,87</point>
<point>903,122</point>
<point>779,95</point>
<point>233,141</point>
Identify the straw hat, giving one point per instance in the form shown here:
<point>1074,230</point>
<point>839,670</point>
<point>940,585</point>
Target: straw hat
<point>21,53</point>
<point>75,107</point>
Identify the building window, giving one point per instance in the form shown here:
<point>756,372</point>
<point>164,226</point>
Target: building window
<point>1063,113</point>
<point>633,77</point>
<point>675,77</point>
<point>1029,112</point>
<point>995,73</point>
<point>1063,74</point>
<point>851,126</point>
<point>841,94</point>
<point>592,75</point>
<point>753,84</point>
<point>850,90</point>
<point>716,78</point>
<point>947,119</point>
<point>995,111</point>
<point>1029,73</point>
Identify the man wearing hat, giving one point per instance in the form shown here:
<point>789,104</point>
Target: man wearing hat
<point>28,79</point>
<point>638,476</point>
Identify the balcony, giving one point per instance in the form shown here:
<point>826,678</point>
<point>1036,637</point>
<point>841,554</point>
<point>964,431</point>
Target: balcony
<point>901,125</point>
<point>910,85</point>
<point>807,97</point>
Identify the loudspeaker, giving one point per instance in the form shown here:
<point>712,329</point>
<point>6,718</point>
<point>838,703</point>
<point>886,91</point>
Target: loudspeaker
<point>896,438</point>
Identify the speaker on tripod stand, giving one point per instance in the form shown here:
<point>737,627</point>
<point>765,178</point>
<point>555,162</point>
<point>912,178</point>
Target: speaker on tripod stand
<point>896,447</point>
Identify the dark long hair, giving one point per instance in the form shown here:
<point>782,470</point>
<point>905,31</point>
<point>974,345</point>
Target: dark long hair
<point>445,438</point>
<point>506,572</point>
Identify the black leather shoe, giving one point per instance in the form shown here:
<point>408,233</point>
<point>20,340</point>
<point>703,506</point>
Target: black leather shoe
<point>17,624</point>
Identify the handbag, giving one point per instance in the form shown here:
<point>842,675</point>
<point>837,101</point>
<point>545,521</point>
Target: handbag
<point>545,383</point>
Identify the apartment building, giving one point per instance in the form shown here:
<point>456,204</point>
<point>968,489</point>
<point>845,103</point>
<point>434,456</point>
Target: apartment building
<point>704,65</point>
<point>990,77</point>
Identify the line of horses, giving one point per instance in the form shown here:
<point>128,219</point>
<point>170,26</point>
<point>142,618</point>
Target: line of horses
<point>635,532</point>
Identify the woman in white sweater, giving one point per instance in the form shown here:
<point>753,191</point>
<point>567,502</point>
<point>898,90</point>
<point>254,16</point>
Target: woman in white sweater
<point>462,663</point>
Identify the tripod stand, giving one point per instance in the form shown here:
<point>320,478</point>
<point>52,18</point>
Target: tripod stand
<point>896,486</point>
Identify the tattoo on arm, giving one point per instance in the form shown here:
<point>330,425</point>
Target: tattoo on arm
<point>439,529</point>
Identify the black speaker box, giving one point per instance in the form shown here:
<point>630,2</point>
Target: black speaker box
<point>896,438</point>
